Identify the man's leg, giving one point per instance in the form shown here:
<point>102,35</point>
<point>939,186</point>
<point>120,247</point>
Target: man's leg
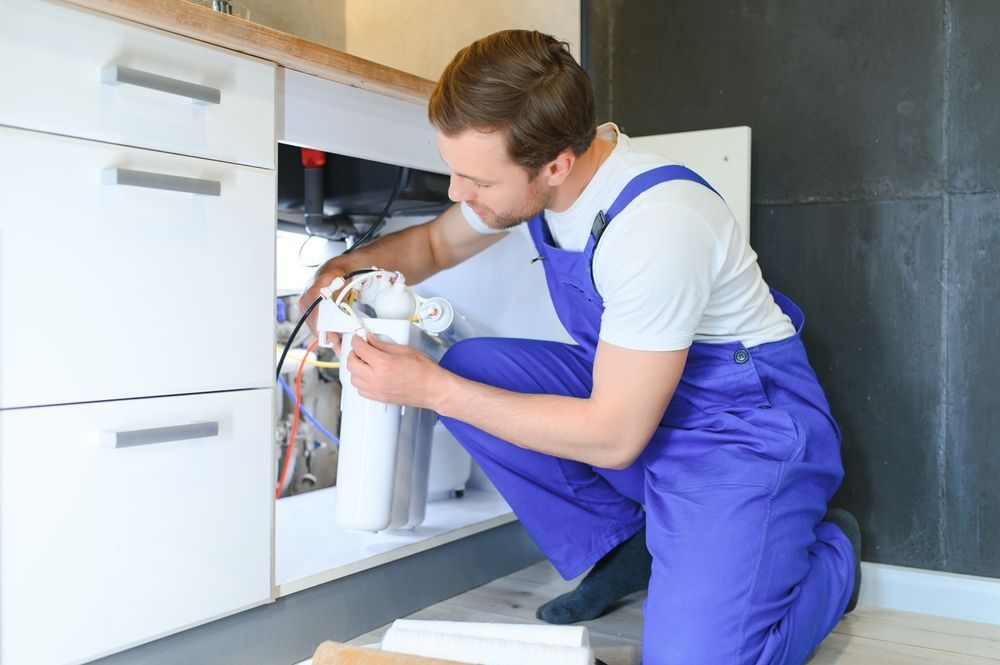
<point>575,513</point>
<point>623,570</point>
<point>745,569</point>
<point>741,575</point>
<point>847,523</point>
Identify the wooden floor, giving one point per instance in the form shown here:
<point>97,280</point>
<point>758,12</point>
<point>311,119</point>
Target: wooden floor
<point>868,636</point>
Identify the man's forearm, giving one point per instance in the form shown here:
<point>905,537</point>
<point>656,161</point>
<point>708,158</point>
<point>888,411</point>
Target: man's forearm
<point>407,251</point>
<point>568,427</point>
<point>610,428</point>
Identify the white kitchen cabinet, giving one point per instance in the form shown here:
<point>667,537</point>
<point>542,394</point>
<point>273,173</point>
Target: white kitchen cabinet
<point>75,72</point>
<point>114,284</point>
<point>122,521</point>
<point>137,230</point>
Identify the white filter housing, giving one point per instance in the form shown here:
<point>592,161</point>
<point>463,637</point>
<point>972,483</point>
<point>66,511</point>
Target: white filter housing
<point>385,449</point>
<point>369,438</point>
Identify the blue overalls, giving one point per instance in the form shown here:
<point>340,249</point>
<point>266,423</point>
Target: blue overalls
<point>732,487</point>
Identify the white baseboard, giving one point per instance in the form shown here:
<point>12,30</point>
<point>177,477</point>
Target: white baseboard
<point>930,592</point>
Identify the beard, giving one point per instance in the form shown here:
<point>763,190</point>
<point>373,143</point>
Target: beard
<point>534,203</point>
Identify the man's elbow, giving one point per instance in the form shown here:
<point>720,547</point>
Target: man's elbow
<point>624,422</point>
<point>625,453</point>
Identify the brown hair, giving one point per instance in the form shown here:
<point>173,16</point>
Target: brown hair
<point>524,84</point>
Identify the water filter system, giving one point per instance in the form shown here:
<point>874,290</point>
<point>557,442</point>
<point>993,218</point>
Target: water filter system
<point>385,448</point>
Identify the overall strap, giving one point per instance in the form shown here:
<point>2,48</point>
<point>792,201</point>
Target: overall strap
<point>634,188</point>
<point>641,183</point>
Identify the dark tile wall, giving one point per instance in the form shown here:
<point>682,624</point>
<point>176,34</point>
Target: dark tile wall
<point>846,95</point>
<point>973,400</point>
<point>867,275</point>
<point>974,96</point>
<point>876,162</point>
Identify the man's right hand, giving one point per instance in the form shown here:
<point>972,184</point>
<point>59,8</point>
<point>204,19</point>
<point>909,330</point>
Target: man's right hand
<point>418,252</point>
<point>328,272</point>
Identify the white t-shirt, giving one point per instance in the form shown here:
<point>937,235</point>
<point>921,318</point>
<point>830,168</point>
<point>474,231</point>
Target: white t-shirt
<point>673,267</point>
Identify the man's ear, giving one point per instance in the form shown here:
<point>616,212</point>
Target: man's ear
<point>559,168</point>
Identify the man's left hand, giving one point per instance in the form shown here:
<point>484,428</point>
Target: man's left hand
<point>393,373</point>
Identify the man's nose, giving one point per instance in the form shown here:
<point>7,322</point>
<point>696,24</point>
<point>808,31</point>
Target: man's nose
<point>458,189</point>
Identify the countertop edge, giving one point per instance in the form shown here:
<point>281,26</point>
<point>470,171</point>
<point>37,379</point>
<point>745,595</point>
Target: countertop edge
<point>196,22</point>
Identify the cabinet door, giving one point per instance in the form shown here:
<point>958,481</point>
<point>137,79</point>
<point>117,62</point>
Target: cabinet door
<point>76,72</point>
<point>113,284</point>
<point>121,522</point>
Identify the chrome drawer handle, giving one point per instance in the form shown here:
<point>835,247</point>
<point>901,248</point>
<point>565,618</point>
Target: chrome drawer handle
<point>171,183</point>
<point>115,74</point>
<point>145,437</point>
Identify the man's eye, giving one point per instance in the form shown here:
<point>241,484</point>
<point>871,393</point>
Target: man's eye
<point>479,185</point>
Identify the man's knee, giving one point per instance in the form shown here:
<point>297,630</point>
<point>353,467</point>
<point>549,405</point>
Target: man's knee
<point>469,357</point>
<point>499,362</point>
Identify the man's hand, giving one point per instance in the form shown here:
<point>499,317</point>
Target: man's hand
<point>329,272</point>
<point>393,373</point>
<point>417,252</point>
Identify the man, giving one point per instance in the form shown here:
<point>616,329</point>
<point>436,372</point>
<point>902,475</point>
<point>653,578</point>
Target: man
<point>685,420</point>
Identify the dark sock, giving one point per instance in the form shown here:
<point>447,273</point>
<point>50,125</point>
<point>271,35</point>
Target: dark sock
<point>846,522</point>
<point>622,571</point>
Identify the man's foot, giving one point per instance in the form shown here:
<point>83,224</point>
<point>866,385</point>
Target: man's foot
<point>846,522</point>
<point>622,571</point>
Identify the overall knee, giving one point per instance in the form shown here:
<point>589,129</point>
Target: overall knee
<point>491,360</point>
<point>468,357</point>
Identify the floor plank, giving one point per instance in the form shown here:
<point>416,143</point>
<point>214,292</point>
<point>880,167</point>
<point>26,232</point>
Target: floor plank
<point>939,633</point>
<point>840,649</point>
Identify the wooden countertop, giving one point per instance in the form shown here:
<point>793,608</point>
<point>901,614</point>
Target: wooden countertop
<point>185,18</point>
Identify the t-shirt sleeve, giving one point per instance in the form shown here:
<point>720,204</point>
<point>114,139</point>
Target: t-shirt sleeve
<point>655,271</point>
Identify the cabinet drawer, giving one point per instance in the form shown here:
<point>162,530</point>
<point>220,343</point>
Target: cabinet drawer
<point>78,73</point>
<point>111,291</point>
<point>104,547</point>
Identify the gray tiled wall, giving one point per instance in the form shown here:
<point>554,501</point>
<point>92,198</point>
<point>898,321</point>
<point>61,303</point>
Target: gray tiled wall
<point>973,117</point>
<point>972,471</point>
<point>876,166</point>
